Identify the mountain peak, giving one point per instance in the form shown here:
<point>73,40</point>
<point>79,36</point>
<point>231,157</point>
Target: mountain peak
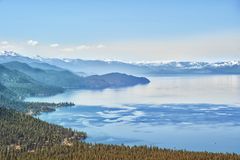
<point>38,57</point>
<point>9,53</point>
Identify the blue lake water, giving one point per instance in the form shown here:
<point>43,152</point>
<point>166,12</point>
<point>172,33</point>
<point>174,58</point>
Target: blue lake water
<point>198,113</point>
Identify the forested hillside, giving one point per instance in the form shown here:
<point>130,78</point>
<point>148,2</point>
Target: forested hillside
<point>31,108</point>
<point>60,78</point>
<point>23,132</point>
<point>5,92</point>
<point>23,85</point>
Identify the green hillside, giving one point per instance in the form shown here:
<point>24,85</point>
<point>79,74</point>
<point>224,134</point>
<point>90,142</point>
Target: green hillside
<point>5,92</point>
<point>19,129</point>
<point>60,78</point>
<point>23,85</point>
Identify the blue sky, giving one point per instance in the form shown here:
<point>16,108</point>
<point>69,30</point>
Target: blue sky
<point>111,25</point>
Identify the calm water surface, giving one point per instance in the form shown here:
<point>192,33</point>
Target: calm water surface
<point>199,113</point>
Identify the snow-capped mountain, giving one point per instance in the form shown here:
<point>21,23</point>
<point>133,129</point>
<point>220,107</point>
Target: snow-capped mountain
<point>10,56</point>
<point>8,53</point>
<point>137,68</point>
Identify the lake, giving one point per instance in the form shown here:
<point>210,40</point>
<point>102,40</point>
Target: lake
<point>197,113</point>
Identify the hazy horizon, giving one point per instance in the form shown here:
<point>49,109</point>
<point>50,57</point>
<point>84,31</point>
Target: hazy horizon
<point>37,56</point>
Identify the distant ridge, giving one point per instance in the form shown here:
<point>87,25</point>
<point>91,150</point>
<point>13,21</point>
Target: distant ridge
<point>137,68</point>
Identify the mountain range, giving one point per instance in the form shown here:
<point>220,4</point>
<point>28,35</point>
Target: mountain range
<point>22,77</point>
<point>91,67</point>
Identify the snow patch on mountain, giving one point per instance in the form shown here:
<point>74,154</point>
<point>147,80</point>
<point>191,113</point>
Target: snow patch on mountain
<point>224,64</point>
<point>9,53</point>
<point>156,65</point>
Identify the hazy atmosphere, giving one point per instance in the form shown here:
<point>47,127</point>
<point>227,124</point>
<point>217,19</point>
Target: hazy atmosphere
<point>136,30</point>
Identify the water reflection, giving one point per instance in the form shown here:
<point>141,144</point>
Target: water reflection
<point>161,90</point>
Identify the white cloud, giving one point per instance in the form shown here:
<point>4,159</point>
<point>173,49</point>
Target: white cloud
<point>87,47</point>
<point>4,42</point>
<point>83,47</point>
<point>80,47</point>
<point>54,45</point>
<point>32,43</point>
<point>101,46</point>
